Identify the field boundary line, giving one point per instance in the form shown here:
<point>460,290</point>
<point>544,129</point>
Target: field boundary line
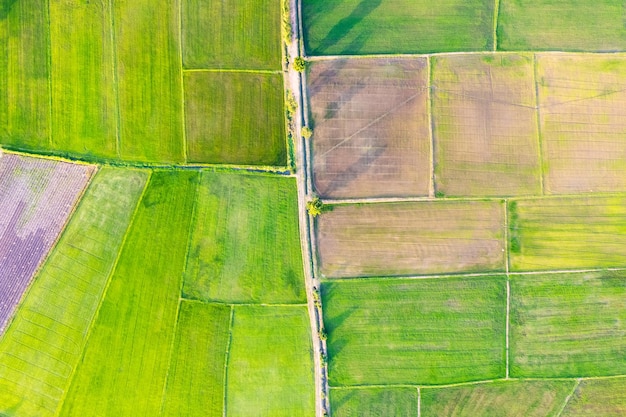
<point>481,52</point>
<point>569,397</point>
<point>419,402</point>
<point>227,358</point>
<point>182,81</point>
<point>237,304</point>
<point>539,135</point>
<point>171,355</point>
<point>116,84</point>
<point>496,13</point>
<point>508,325</point>
<point>49,77</point>
<point>231,70</point>
<point>506,236</point>
<point>431,130</point>
<point>104,294</point>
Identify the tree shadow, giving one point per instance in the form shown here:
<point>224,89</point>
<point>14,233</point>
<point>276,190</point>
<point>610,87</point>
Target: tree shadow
<point>345,25</point>
<point>5,8</point>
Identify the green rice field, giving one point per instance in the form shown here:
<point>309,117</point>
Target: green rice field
<point>372,402</point>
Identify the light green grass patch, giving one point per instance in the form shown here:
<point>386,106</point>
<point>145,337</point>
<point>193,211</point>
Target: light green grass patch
<point>24,71</point>
<point>195,385</point>
<point>235,118</point>
<point>567,233</point>
<point>568,325</point>
<point>44,344</point>
<point>245,246</point>
<point>231,34</point>
<point>605,397</point>
<point>500,399</point>
<point>374,402</point>
<point>573,25</point>
<point>396,26</point>
<point>125,363</point>
<point>270,365</point>
<point>415,331</point>
<point>150,84</point>
<point>84,108</point>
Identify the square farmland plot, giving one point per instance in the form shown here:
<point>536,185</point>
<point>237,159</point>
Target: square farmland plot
<point>235,118</point>
<point>568,325</point>
<point>371,127</point>
<point>485,125</point>
<point>415,331</point>
<point>599,397</point>
<point>582,104</point>
<point>411,238</point>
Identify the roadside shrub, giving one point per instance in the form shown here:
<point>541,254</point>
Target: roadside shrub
<point>307,132</point>
<point>315,207</point>
<point>299,64</point>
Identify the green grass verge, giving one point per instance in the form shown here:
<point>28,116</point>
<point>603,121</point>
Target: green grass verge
<point>374,402</point>
<point>500,399</point>
<point>232,34</point>
<point>574,25</point>
<point>245,246</point>
<point>270,365</point>
<point>400,26</point>
<point>84,108</point>
<point>24,71</point>
<point>567,233</point>
<point>125,363</point>
<point>44,343</point>
<point>606,398</point>
<point>568,325</point>
<point>195,385</point>
<point>425,331</point>
<point>150,86</point>
<point>235,118</point>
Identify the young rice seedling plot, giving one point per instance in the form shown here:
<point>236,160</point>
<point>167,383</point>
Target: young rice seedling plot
<point>245,245</point>
<point>499,399</point>
<point>573,25</point>
<point>84,106</point>
<point>235,118</point>
<point>567,233</point>
<point>603,397</point>
<point>36,198</point>
<point>485,125</point>
<point>44,343</point>
<point>24,71</point>
<point>371,127</point>
<point>125,363</point>
<point>374,402</point>
<point>415,331</point>
<point>396,26</point>
<point>411,238</point>
<point>583,124</point>
<point>270,364</point>
<point>568,325</point>
<point>231,34</point>
<point>195,383</point>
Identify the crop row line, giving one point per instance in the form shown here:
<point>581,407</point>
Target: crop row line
<point>437,54</point>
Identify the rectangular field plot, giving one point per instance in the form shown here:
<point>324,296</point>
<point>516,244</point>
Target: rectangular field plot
<point>485,125</point>
<point>583,123</point>
<point>415,331</point>
<point>396,26</point>
<point>150,84</point>
<point>24,71</point>
<point>270,364</point>
<point>499,399</point>
<point>45,341</point>
<point>567,233</point>
<point>195,385</point>
<point>604,397</point>
<point>231,34</point>
<point>372,136</point>
<point>235,118</point>
<point>572,25</point>
<point>568,325</point>
<point>411,238</point>
<point>374,402</point>
<point>130,344</point>
<point>245,244</point>
<point>84,108</point>
<point>36,198</point>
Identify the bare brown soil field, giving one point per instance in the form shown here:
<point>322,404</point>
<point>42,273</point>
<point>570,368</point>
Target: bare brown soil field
<point>371,124</point>
<point>411,238</point>
<point>36,198</point>
<point>582,100</point>
<point>485,125</point>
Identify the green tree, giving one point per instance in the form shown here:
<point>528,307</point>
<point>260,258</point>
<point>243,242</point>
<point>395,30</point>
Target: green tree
<point>315,207</point>
<point>299,64</point>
